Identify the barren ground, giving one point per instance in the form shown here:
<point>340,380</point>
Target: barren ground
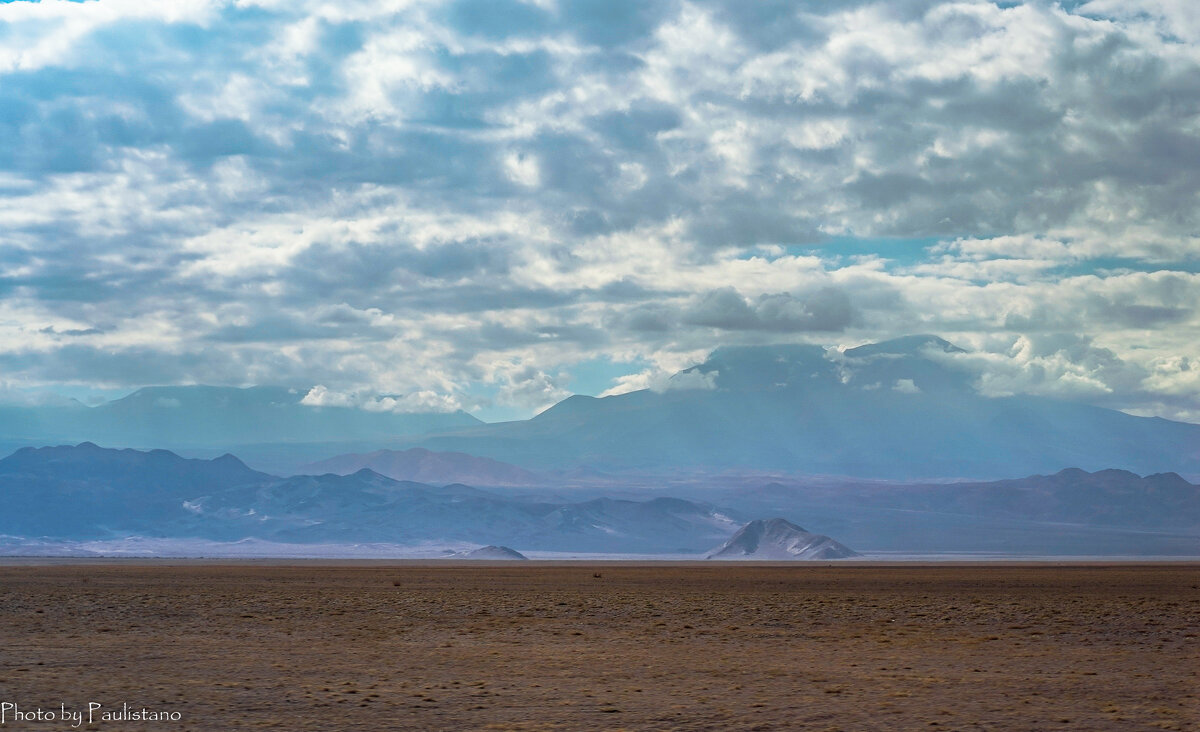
<point>533,646</point>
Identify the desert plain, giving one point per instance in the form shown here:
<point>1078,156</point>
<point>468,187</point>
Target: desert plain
<point>583,646</point>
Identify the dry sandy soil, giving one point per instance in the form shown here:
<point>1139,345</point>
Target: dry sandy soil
<point>533,646</point>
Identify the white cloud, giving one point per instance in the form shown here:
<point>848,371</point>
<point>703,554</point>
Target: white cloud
<point>522,168</point>
<point>320,396</point>
<point>49,31</point>
<point>1170,17</point>
<point>690,381</point>
<point>419,401</point>
<point>384,199</point>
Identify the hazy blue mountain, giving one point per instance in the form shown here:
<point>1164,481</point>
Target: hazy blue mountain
<point>779,539</point>
<point>894,410</point>
<point>222,417</point>
<point>1070,512</point>
<point>46,424</point>
<point>91,493</point>
<point>87,492</point>
<point>1108,498</point>
<point>426,466</point>
<point>369,507</point>
<point>1116,498</point>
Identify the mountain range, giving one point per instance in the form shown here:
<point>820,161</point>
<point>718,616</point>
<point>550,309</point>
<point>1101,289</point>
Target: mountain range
<point>894,410</point>
<point>899,410</point>
<point>425,466</point>
<point>85,493</point>
<point>1072,511</point>
<point>88,492</point>
<point>216,418</point>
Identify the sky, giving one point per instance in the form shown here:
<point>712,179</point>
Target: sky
<point>491,204</point>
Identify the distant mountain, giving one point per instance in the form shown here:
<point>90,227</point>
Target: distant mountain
<point>1105,498</point>
<point>369,507</point>
<point>87,492</point>
<point>209,416</point>
<point>899,410</point>
<point>1116,498</point>
<point>51,496</point>
<point>894,410</point>
<point>779,539</point>
<point>125,468</point>
<point>426,466</point>
<point>492,553</point>
<point>1106,512</point>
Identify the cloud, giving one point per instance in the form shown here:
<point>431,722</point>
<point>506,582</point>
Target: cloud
<point>827,309</point>
<point>528,388</point>
<point>1172,18</point>
<point>689,380</point>
<point>465,200</point>
<point>416,402</point>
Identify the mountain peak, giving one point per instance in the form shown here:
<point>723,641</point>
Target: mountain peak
<point>91,462</point>
<point>900,364</point>
<point>490,552</point>
<point>1069,475</point>
<point>230,460</point>
<point>572,405</point>
<point>779,539</point>
<point>1170,478</point>
<point>766,367</point>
